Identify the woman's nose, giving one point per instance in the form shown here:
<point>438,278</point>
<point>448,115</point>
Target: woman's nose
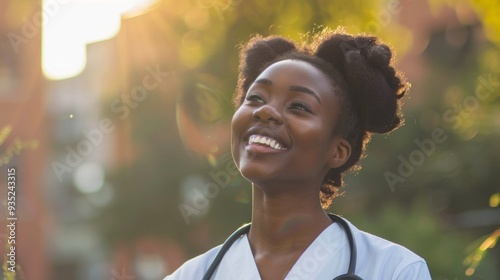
<point>267,113</point>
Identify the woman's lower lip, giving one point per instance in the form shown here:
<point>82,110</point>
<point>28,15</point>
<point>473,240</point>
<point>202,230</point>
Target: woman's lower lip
<point>255,148</point>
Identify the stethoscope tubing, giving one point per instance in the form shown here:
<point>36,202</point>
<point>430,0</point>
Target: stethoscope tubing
<point>246,228</point>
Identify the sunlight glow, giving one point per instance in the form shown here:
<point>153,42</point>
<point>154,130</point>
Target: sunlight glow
<point>69,25</point>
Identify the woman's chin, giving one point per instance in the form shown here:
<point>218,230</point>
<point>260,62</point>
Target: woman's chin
<point>256,174</point>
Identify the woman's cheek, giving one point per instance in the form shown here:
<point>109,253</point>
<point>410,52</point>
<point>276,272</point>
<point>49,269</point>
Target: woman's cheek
<point>237,129</point>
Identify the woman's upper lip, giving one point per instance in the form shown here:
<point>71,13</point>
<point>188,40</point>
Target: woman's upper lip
<point>264,131</point>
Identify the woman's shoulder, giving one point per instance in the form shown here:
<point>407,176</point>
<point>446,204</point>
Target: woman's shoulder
<point>377,245</point>
<point>396,260</point>
<point>195,268</point>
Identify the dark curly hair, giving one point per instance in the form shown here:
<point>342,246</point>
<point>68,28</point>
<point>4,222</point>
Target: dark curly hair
<point>360,69</point>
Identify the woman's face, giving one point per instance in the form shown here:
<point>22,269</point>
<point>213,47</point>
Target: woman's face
<point>284,130</point>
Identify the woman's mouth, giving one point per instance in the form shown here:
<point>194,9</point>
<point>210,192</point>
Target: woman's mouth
<point>265,142</point>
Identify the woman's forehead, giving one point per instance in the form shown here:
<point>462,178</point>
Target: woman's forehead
<point>296,72</point>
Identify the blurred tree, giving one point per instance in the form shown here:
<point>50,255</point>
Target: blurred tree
<point>443,248</point>
<point>204,34</point>
<point>453,177</point>
<point>14,147</point>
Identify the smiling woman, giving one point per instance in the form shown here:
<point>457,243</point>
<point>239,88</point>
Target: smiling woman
<point>300,95</point>
<point>304,117</point>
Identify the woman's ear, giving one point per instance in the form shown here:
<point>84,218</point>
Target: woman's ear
<point>340,153</point>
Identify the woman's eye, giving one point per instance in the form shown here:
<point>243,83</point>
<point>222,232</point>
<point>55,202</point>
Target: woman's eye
<point>300,106</point>
<point>254,97</point>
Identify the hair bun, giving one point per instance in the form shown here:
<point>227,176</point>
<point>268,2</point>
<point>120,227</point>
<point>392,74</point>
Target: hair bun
<point>379,55</point>
<point>258,53</point>
<point>373,85</point>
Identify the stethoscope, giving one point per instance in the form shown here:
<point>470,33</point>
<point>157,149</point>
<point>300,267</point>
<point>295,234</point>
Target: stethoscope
<point>350,275</point>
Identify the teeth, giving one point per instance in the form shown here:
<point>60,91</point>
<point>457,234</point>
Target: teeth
<point>272,143</point>
<point>265,140</point>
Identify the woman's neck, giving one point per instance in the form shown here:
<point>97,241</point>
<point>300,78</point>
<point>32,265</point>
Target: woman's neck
<point>285,223</point>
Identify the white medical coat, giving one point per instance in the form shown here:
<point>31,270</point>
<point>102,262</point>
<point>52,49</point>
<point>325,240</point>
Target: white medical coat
<point>326,258</point>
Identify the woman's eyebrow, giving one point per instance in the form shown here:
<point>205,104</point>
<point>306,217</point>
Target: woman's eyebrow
<point>305,90</point>
<point>263,81</point>
<point>302,89</point>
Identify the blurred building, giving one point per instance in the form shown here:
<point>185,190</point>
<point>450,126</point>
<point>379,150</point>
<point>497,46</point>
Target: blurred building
<point>61,183</point>
<point>22,112</point>
<point>91,118</point>
<point>78,130</point>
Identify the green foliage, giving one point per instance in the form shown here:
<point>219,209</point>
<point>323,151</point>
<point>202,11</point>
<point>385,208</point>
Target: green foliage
<point>458,176</point>
<point>425,233</point>
<point>13,149</point>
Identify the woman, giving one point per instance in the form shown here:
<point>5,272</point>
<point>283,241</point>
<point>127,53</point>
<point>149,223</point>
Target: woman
<point>304,116</point>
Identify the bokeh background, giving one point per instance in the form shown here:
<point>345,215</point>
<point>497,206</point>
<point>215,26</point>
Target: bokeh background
<point>115,115</point>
